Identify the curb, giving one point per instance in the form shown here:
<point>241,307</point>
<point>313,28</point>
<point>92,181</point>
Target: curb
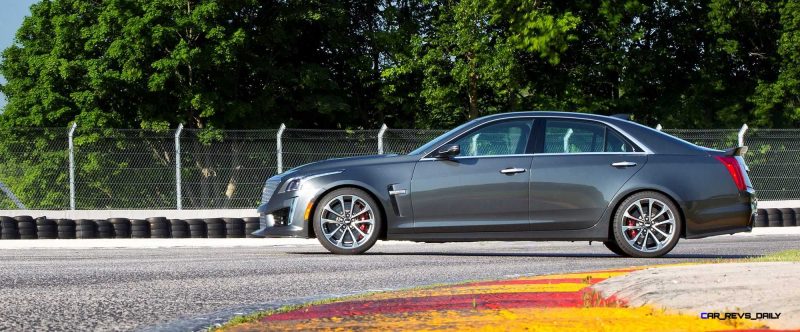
<point>549,302</point>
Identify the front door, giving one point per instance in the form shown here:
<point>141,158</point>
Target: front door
<point>484,189</point>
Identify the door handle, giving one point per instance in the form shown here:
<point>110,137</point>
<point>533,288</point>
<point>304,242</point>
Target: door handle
<point>623,164</point>
<point>512,170</point>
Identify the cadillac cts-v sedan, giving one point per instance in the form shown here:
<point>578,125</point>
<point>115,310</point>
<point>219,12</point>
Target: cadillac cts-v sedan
<point>526,176</point>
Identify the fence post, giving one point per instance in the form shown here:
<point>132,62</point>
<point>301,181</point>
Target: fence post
<point>741,134</point>
<point>178,186</point>
<point>279,150</point>
<point>72,166</point>
<point>658,127</point>
<point>380,138</point>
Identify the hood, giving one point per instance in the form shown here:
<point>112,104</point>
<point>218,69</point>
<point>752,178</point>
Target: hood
<point>344,163</point>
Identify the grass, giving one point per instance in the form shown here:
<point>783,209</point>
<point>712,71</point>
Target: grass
<point>792,255</point>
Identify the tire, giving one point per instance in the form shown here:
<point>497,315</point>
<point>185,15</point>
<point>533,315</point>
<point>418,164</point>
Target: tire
<point>368,220</point>
<point>234,227</point>
<point>140,229</point>
<point>664,229</point>
<point>104,229</point>
<point>197,228</point>
<point>774,218</point>
<point>25,222</point>
<point>178,228</point>
<point>66,229</point>
<point>86,229</point>
<point>787,215</point>
<point>215,228</point>
<point>122,227</point>
<point>159,227</point>
<point>611,245</point>
<point>46,228</point>
<point>761,219</point>
<point>251,224</point>
<point>8,228</point>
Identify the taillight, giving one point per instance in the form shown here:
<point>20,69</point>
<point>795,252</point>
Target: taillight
<point>734,169</point>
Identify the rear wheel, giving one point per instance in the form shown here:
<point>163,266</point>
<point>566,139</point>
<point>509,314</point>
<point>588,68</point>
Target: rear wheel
<point>347,221</point>
<point>647,224</point>
<point>611,245</point>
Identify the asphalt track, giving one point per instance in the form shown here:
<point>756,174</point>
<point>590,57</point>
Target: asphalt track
<point>179,289</point>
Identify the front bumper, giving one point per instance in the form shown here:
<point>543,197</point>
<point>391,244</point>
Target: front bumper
<point>284,217</point>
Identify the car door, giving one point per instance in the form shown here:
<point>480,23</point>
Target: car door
<point>484,189</point>
<point>577,170</point>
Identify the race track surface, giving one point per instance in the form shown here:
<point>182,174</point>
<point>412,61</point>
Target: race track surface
<point>179,289</point>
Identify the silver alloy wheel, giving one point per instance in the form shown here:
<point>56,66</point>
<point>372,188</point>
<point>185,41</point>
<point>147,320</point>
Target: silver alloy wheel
<point>347,221</point>
<point>648,225</point>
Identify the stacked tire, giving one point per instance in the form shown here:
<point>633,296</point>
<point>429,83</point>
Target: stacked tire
<point>8,228</point>
<point>159,227</point>
<point>761,218</point>
<point>46,228</point>
<point>105,230</point>
<point>26,227</point>
<point>178,228</point>
<point>788,217</point>
<point>122,228</point>
<point>251,224</point>
<point>86,229</point>
<point>66,229</point>
<point>215,228</point>
<point>140,229</point>
<point>234,227</point>
<point>197,228</point>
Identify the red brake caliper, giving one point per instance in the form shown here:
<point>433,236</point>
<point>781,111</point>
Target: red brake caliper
<point>632,232</point>
<point>362,227</point>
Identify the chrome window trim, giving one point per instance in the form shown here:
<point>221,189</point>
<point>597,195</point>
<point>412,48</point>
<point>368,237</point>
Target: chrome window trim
<point>633,140</point>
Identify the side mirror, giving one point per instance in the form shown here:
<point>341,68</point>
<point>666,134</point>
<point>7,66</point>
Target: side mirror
<point>448,151</point>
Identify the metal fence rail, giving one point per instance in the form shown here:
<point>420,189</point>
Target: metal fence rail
<point>212,169</point>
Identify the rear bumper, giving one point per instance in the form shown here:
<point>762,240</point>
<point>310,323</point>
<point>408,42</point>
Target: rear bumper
<point>732,218</point>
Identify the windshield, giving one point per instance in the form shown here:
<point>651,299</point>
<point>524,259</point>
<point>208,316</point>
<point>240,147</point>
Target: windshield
<point>438,140</point>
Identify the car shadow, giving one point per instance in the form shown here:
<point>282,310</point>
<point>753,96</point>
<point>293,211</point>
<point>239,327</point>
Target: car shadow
<point>543,255</point>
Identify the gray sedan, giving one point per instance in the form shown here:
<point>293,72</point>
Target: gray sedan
<point>520,177</point>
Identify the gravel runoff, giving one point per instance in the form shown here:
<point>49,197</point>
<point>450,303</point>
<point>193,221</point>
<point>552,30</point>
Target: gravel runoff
<point>187,288</point>
<point>715,288</point>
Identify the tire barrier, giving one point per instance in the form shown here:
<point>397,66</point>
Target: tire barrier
<point>46,228</point>
<point>8,228</point>
<point>66,228</point>
<point>159,227</point>
<point>122,227</point>
<point>251,224</point>
<point>234,227</point>
<point>27,227</point>
<point>178,228</point>
<point>85,229</point>
<point>197,228</point>
<point>774,218</point>
<point>140,229</point>
<point>788,217</point>
<point>761,218</point>
<point>105,230</point>
<point>215,228</point>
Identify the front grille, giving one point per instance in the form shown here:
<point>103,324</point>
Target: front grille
<point>269,188</point>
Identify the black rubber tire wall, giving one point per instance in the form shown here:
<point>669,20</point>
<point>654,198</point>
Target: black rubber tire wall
<point>159,227</point>
<point>215,227</point>
<point>105,230</point>
<point>197,228</point>
<point>251,224</point>
<point>774,218</point>
<point>140,229</point>
<point>122,227</point>
<point>234,227</point>
<point>46,228</point>
<point>761,219</point>
<point>8,228</point>
<point>178,228</point>
<point>27,227</point>
<point>85,229</point>
<point>788,217</point>
<point>66,228</point>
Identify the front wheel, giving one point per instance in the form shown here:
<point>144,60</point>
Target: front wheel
<point>347,221</point>
<point>647,224</point>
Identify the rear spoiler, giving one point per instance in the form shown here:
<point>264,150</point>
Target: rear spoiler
<point>737,151</point>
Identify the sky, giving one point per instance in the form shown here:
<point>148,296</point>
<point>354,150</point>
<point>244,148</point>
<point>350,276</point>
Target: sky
<point>11,14</point>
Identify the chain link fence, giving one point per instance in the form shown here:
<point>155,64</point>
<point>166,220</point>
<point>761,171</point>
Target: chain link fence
<point>213,169</point>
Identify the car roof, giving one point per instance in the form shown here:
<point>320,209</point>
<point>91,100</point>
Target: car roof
<point>653,141</point>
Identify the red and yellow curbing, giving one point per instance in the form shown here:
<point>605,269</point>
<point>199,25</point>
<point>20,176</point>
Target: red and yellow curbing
<point>562,302</point>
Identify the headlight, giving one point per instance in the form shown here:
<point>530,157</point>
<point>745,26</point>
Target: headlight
<point>295,184</point>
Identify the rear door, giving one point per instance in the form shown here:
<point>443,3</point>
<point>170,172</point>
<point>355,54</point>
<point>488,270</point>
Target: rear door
<point>484,189</point>
<point>577,170</point>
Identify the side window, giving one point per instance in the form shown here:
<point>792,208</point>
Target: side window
<point>615,143</point>
<point>571,136</point>
<point>502,138</point>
